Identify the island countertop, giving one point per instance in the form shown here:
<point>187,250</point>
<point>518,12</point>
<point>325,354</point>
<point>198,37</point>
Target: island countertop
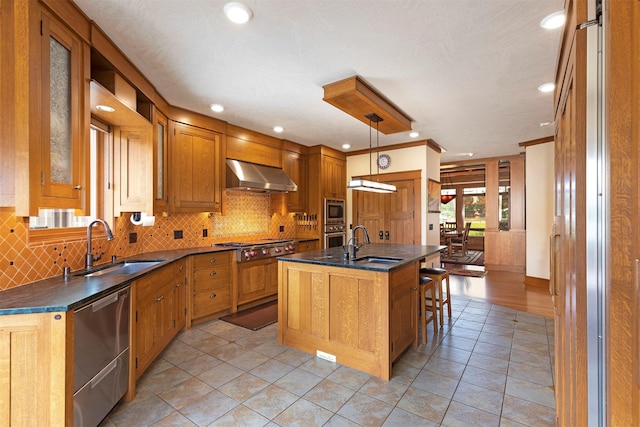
<point>390,256</point>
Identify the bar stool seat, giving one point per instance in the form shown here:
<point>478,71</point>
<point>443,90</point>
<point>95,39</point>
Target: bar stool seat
<point>427,304</point>
<point>439,275</point>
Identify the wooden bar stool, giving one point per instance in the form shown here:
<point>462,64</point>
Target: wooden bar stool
<point>439,275</point>
<point>427,290</point>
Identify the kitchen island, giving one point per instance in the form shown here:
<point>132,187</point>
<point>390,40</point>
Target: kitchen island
<point>361,312</point>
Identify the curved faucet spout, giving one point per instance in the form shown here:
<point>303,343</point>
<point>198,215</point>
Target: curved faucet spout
<point>89,259</point>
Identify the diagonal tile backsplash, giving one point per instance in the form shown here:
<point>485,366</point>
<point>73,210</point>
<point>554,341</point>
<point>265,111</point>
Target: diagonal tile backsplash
<point>247,217</point>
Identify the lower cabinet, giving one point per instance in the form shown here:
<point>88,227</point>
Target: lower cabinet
<point>211,284</point>
<point>37,385</point>
<point>257,279</point>
<point>403,298</point>
<point>159,312</point>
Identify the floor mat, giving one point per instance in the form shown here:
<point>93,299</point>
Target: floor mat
<point>471,258</point>
<point>256,317</point>
<point>461,271</point>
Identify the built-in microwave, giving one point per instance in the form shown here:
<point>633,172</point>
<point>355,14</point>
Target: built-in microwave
<point>334,211</point>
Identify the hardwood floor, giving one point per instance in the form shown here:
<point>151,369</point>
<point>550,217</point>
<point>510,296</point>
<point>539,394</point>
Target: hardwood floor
<point>505,289</point>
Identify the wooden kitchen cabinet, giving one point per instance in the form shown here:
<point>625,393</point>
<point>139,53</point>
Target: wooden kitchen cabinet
<point>155,315</point>
<point>257,280</point>
<point>308,245</point>
<point>403,299</point>
<point>295,166</point>
<point>212,281</point>
<point>180,294</point>
<point>50,124</point>
<point>160,161</point>
<point>195,169</point>
<point>133,170</point>
<point>37,385</point>
<point>333,176</point>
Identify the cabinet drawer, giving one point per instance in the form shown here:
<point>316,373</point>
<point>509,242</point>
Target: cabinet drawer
<point>211,278</point>
<point>211,301</point>
<point>150,283</point>
<point>214,259</point>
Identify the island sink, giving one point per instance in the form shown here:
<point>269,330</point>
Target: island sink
<point>378,259</point>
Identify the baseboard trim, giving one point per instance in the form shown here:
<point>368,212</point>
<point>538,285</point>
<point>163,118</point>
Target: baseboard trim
<point>536,281</point>
<point>502,267</point>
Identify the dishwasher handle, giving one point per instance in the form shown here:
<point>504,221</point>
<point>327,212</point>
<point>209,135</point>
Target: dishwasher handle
<point>109,299</point>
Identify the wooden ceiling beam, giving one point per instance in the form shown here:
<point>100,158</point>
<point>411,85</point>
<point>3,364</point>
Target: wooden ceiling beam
<point>357,98</point>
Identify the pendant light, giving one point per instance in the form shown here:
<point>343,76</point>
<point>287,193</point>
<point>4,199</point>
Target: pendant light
<point>446,182</point>
<point>371,185</point>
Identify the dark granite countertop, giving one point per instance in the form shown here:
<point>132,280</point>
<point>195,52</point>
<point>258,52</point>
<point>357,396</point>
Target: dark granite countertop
<point>389,257</point>
<point>68,293</point>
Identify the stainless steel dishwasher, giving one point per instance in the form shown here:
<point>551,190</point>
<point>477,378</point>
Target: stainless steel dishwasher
<point>101,357</point>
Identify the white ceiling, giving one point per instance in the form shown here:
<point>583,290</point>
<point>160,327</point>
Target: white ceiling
<point>466,71</point>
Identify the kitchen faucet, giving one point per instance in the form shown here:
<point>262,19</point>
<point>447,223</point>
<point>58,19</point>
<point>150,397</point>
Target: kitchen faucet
<point>351,249</point>
<point>90,258</point>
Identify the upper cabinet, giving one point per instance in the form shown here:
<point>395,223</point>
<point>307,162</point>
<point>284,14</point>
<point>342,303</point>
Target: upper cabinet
<point>333,175</point>
<point>160,162</point>
<point>195,169</point>
<point>295,166</point>
<point>61,161</point>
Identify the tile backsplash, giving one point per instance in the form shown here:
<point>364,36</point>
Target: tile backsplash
<point>247,216</point>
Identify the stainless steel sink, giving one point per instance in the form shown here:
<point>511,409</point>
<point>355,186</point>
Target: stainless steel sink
<point>378,259</point>
<point>125,267</point>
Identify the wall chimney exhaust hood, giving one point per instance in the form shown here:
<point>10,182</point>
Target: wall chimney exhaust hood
<point>244,176</point>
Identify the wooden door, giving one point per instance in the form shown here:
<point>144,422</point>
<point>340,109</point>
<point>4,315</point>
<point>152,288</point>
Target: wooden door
<point>622,68</point>
<point>568,241</point>
<point>370,213</point>
<point>391,217</point>
<point>399,214</point>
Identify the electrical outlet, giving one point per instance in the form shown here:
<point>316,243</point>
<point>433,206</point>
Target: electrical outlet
<point>326,356</point>
<point>430,226</point>
<point>133,237</point>
<point>205,232</point>
<point>282,228</point>
<point>177,234</point>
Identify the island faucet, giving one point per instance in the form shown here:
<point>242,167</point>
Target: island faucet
<point>352,248</point>
<point>89,259</point>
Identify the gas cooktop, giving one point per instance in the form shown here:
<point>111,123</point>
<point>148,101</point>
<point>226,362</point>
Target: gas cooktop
<point>262,248</point>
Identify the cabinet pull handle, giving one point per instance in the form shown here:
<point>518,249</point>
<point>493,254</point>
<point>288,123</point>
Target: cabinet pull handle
<point>181,267</point>
<point>213,295</point>
<point>177,286</point>
<point>212,273</point>
<point>160,298</point>
<point>212,260</point>
<point>77,187</point>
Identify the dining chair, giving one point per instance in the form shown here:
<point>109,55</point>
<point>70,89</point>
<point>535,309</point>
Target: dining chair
<point>460,243</point>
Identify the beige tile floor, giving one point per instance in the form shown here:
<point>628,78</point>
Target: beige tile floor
<point>488,366</point>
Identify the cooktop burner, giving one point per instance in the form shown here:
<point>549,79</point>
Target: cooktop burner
<point>264,248</point>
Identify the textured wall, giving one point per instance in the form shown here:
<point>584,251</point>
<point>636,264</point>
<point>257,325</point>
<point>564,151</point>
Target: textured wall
<point>247,217</point>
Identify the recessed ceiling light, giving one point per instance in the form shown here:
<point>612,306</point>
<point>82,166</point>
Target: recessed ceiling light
<point>414,134</point>
<point>553,20</point>
<point>547,87</point>
<point>105,108</point>
<point>346,146</point>
<point>470,154</point>
<point>237,12</point>
<point>217,108</point>
<point>278,129</point>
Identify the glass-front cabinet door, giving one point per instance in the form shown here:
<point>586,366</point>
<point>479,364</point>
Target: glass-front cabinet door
<point>61,172</point>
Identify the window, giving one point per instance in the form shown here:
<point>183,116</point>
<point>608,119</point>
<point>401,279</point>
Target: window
<point>99,192</point>
<point>474,204</point>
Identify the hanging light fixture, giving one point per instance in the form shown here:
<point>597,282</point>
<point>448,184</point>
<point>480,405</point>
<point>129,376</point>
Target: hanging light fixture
<point>371,185</point>
<point>446,182</point>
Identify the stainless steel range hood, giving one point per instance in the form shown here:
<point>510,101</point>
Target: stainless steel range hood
<point>243,176</point>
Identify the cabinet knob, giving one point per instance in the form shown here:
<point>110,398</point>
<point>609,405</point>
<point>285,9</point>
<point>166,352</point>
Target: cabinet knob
<point>212,273</point>
<point>212,260</point>
<point>77,187</point>
<point>160,298</point>
<point>212,295</point>
<point>181,267</point>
